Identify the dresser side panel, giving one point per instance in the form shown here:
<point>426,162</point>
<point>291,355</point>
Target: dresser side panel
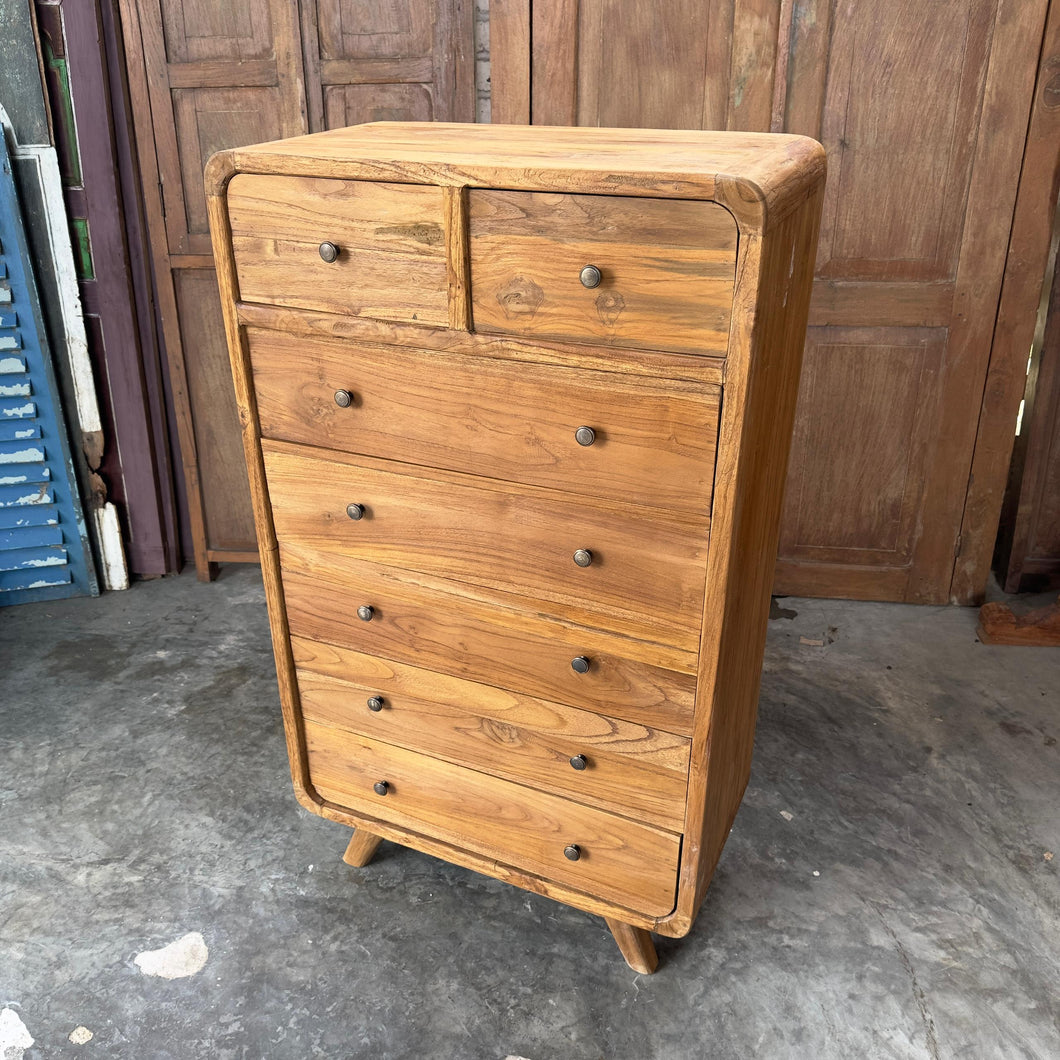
<point>774,276</point>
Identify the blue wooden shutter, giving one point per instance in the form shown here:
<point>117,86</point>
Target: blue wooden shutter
<point>43,543</point>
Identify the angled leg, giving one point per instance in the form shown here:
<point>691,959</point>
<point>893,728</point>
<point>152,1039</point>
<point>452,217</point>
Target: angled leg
<point>362,847</point>
<point>636,946</point>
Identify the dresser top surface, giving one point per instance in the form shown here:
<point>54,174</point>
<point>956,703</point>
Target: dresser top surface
<point>758,176</point>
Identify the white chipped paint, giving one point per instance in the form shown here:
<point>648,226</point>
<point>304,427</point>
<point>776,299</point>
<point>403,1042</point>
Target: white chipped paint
<point>11,365</point>
<point>112,554</point>
<point>26,432</point>
<point>9,342</point>
<point>20,412</point>
<point>15,1038</point>
<point>14,389</point>
<point>58,560</point>
<point>23,456</point>
<point>81,1035</point>
<point>76,346</point>
<point>180,959</point>
<point>5,293</point>
<point>40,497</point>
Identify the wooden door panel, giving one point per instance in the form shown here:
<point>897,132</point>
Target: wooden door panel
<point>671,64</point>
<point>222,467</point>
<point>206,75</point>
<point>352,104</point>
<point>899,156</point>
<point>204,30</point>
<point>922,110</point>
<point>394,29</point>
<point>208,120</point>
<point>867,399</point>
<point>387,61</point>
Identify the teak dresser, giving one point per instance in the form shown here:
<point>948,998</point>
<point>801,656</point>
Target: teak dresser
<point>517,405</point>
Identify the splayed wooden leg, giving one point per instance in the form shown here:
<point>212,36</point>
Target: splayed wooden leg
<point>362,848</point>
<point>636,945</point>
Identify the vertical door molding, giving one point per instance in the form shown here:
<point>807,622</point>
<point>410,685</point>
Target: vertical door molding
<point>1021,292</point>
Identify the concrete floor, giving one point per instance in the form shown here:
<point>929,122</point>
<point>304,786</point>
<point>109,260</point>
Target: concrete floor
<point>888,890</point>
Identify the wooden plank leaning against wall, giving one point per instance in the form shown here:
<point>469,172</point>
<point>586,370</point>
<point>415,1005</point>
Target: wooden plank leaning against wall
<point>205,76</point>
<point>918,212</point>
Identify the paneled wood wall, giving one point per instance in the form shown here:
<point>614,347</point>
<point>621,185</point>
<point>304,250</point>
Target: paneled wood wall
<point>204,76</point>
<point>924,111</point>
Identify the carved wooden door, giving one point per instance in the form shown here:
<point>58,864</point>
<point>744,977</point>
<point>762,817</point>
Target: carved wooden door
<point>204,76</point>
<point>923,110</point>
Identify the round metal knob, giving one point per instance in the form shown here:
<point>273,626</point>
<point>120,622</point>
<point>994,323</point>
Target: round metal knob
<point>579,762</point>
<point>585,435</point>
<point>329,252</point>
<point>366,612</point>
<point>572,852</point>
<point>590,276</point>
<point>583,557</point>
<point>580,665</point>
<point>355,511</point>
<point>343,398</point>
<point>375,704</point>
<point>380,787</point>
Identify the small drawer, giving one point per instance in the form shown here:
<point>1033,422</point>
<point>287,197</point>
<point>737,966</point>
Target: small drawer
<point>340,246</point>
<point>617,765</point>
<point>610,857</point>
<point>411,620</point>
<point>637,571</point>
<point>594,433</point>
<point>643,273</point>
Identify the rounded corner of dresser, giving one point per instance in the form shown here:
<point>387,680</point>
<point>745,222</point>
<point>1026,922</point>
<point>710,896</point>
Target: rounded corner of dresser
<point>220,168</point>
<point>744,198</point>
<point>307,795</point>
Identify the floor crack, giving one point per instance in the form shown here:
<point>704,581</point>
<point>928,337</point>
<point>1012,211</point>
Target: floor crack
<point>918,991</point>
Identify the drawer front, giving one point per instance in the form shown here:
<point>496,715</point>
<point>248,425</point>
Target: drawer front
<point>666,268</point>
<point>631,769</point>
<point>390,243</point>
<point>619,860</point>
<point>483,642</point>
<point>645,569</point>
<point>653,444</point>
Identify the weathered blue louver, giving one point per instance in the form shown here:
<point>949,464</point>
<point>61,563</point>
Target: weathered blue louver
<point>43,547</point>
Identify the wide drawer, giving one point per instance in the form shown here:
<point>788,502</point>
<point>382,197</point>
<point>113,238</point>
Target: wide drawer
<point>642,571</point>
<point>617,765</point>
<point>666,269</point>
<point>481,640</point>
<point>389,240</point>
<point>651,443</point>
<point>618,860</point>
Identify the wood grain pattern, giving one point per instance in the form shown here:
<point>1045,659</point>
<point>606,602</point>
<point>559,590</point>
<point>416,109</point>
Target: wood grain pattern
<point>632,769</point>
<point>621,860</point>
<point>636,946</point>
<point>361,848</point>
<point>470,664</point>
<point>757,418</point>
<point>391,239</point>
<point>510,62</point>
<point>648,364</point>
<point>646,575</point>
<point>482,641</point>
<point>1006,381</point>
<point>758,177</point>
<point>667,269</point>
<point>655,442</point>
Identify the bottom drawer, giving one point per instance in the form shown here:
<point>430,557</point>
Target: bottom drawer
<point>619,860</point>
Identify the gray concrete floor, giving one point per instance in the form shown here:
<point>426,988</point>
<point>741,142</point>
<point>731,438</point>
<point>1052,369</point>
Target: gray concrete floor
<point>888,889</point>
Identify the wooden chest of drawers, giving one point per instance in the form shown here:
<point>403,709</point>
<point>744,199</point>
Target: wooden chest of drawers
<point>517,405</point>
